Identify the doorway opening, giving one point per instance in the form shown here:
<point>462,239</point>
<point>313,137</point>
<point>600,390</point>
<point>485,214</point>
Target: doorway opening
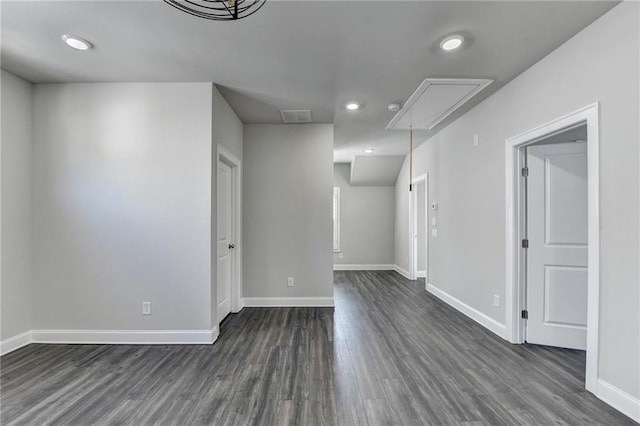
<point>419,237</point>
<point>552,236</point>
<point>228,248</point>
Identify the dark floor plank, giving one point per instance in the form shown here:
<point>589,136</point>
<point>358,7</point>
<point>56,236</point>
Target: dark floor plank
<point>389,353</point>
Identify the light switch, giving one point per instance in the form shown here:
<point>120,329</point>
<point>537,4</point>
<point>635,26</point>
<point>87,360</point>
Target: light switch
<point>434,222</point>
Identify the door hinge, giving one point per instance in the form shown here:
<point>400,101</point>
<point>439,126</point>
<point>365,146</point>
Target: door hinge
<point>524,314</point>
<point>525,243</point>
<point>525,171</point>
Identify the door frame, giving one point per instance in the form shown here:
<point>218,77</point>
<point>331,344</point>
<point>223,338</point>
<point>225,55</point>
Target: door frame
<point>413,217</point>
<point>516,228</point>
<point>234,162</point>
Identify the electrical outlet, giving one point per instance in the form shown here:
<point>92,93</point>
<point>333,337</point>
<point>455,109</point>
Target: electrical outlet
<point>434,233</point>
<point>340,255</point>
<point>146,308</point>
<point>496,300</point>
<point>290,282</point>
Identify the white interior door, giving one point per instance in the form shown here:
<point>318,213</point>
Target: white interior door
<point>557,253</point>
<point>225,241</point>
<point>420,229</point>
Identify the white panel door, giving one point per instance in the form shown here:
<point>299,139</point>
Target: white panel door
<point>225,243</point>
<point>557,254</point>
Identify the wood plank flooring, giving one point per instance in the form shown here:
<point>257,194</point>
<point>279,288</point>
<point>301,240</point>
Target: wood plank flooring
<point>389,354</point>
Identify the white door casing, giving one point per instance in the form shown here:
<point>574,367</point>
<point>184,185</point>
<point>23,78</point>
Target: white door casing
<point>225,241</point>
<point>515,271</point>
<point>557,254</point>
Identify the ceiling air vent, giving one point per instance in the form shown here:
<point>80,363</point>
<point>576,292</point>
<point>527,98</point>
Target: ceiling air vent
<point>435,100</point>
<point>296,116</point>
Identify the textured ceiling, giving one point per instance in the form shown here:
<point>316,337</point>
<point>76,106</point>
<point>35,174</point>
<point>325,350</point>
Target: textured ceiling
<point>295,54</point>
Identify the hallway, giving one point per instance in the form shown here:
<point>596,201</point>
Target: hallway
<point>390,353</point>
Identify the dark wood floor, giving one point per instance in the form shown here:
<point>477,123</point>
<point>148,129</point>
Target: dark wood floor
<point>389,353</point>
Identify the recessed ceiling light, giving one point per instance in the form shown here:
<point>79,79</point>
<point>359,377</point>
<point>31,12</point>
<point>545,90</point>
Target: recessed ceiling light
<point>394,107</point>
<point>452,42</point>
<point>76,42</point>
<point>369,150</point>
<point>352,106</point>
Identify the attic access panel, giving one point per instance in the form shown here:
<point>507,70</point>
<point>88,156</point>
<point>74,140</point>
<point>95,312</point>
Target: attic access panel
<point>434,100</point>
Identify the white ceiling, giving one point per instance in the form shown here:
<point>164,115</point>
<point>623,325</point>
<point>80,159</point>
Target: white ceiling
<point>375,170</point>
<point>295,54</point>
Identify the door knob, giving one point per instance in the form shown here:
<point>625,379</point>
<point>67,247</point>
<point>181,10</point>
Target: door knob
<point>231,246</point>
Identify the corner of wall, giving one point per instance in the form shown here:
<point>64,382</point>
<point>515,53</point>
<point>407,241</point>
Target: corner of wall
<point>16,207</point>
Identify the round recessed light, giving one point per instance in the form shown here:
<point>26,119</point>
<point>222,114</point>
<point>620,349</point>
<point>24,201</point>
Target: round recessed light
<point>352,106</point>
<point>369,150</point>
<point>452,42</point>
<point>394,107</point>
<point>76,42</point>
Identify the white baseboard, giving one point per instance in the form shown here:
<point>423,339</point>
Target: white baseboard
<point>618,399</point>
<point>482,319</point>
<point>15,342</point>
<point>402,272</point>
<point>373,267</point>
<point>421,274</point>
<point>111,337</point>
<point>133,337</point>
<point>215,333</point>
<point>268,302</point>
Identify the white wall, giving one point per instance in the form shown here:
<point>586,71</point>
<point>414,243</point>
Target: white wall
<point>227,127</point>
<point>467,260</point>
<point>122,206</point>
<point>16,206</point>
<point>366,221</point>
<point>227,131</point>
<point>287,219</point>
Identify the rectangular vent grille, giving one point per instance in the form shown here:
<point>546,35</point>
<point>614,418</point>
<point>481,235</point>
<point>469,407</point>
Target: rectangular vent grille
<point>296,116</point>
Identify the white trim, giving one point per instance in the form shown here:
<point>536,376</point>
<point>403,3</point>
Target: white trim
<point>376,267</point>
<point>16,342</point>
<point>402,272</point>
<point>482,319</point>
<point>336,211</point>
<point>413,213</point>
<point>126,337</point>
<point>619,399</point>
<point>514,290</point>
<point>236,170</point>
<point>273,302</point>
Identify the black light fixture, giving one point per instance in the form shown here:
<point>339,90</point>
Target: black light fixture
<point>218,10</point>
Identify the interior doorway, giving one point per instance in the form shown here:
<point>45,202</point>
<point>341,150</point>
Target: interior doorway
<point>556,240</point>
<point>228,234</point>
<point>419,228</point>
<point>552,234</point>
